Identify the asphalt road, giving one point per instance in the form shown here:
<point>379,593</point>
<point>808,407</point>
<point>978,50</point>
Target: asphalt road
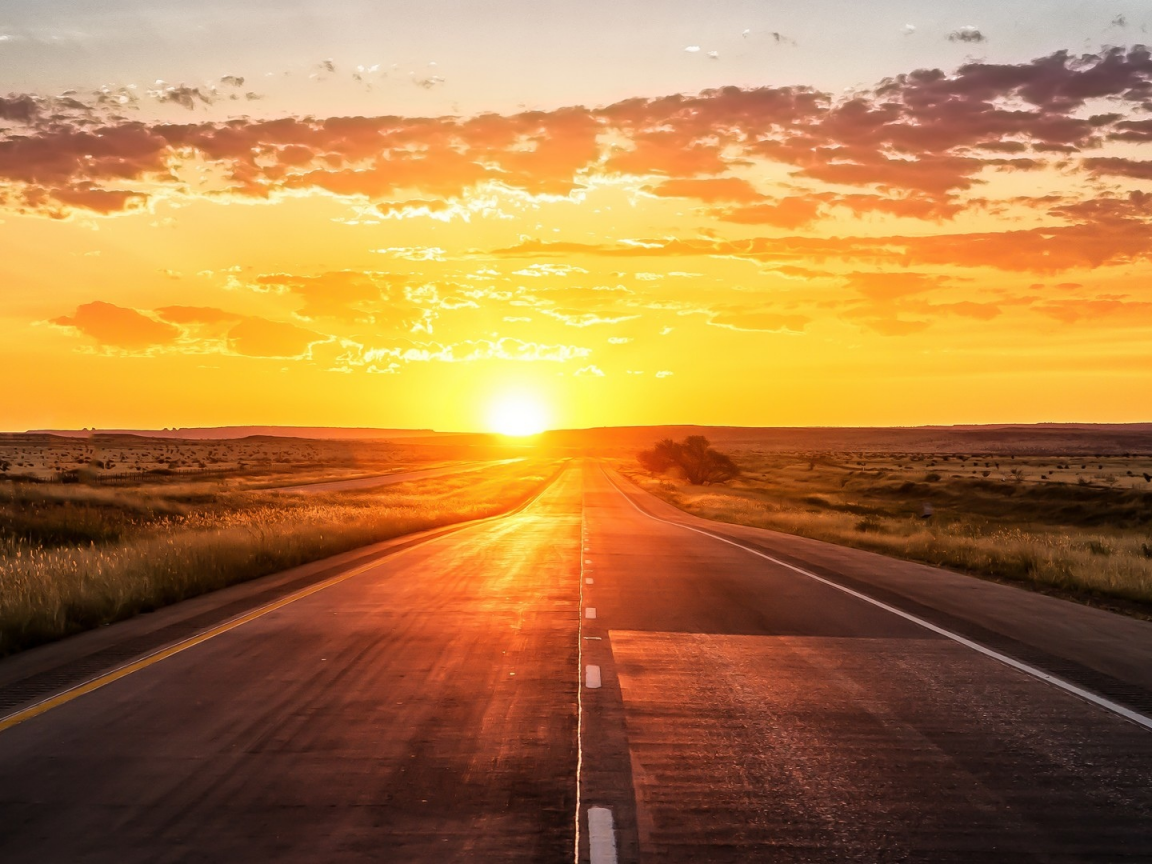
<point>464,699</point>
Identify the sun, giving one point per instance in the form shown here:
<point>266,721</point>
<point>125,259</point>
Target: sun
<point>517,415</point>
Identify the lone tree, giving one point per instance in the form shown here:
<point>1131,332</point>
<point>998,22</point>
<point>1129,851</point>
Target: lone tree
<point>694,457</point>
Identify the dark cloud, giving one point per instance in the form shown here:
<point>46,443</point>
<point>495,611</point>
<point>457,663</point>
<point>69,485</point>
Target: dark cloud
<point>967,34</point>
<point>184,96</point>
<point>19,108</point>
<point>1115,166</point>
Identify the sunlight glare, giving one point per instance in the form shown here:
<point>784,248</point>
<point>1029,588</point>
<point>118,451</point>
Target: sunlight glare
<point>518,415</point>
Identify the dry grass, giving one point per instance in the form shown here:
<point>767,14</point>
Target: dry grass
<point>73,557</point>
<point>1085,540</point>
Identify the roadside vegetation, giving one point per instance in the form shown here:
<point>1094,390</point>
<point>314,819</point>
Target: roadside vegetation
<point>694,458</point>
<point>1077,526</point>
<point>73,557</point>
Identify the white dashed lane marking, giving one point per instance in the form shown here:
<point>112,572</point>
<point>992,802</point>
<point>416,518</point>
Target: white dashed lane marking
<point>601,836</point>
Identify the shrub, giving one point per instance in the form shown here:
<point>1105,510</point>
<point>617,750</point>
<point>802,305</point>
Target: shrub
<point>694,456</point>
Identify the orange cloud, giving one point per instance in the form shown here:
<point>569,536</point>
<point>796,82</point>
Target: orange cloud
<point>258,337</point>
<point>912,143</point>
<point>117,326</point>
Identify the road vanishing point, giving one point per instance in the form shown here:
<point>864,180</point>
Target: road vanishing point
<point>596,677</point>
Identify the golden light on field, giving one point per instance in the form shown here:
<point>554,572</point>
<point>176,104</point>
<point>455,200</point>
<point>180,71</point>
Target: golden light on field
<point>518,415</point>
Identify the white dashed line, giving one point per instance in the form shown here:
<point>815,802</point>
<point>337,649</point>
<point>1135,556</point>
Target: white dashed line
<point>590,612</point>
<point>592,677</point>
<point>601,836</point>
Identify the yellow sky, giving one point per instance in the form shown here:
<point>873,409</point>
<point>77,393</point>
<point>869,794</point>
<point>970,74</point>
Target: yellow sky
<point>963,246</point>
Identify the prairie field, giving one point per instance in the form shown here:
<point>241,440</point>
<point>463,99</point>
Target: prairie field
<point>1078,526</point>
<point>241,462</point>
<point>75,556</point>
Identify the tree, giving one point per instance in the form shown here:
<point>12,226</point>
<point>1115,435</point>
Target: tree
<point>661,457</point>
<point>700,464</point>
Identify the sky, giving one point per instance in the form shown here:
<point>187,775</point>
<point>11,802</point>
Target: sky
<point>746,213</point>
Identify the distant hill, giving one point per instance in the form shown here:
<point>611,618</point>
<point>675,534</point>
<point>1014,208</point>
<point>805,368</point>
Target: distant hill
<point>224,432</point>
<point>1039,438</point>
<point>1002,438</point>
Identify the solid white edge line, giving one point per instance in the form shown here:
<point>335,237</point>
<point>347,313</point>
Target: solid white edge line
<point>1040,674</point>
<point>592,677</point>
<point>601,836</point>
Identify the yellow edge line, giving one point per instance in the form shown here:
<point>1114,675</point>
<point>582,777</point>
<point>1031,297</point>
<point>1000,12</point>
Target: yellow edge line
<point>164,653</point>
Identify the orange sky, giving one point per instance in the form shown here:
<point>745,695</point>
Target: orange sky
<point>957,246</point>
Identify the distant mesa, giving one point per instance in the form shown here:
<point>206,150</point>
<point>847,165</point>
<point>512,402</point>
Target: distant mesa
<point>337,433</point>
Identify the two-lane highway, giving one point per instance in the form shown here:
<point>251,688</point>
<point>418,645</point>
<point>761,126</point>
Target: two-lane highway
<point>584,675</point>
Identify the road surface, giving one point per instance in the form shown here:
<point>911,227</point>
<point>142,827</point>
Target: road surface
<point>585,673</point>
<point>388,479</point>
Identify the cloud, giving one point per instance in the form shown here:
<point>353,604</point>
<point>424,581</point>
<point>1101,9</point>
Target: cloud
<point>539,270</point>
<point>920,145</point>
<point>709,190</point>
<point>1037,250</point>
<point>577,318</point>
<point>752,320</point>
<point>967,34</point>
<point>789,213</point>
<point>19,108</point>
<point>259,337</point>
<point>193,315</point>
<point>466,351</point>
<point>592,371</point>
<point>1074,310</point>
<point>184,96</point>
<point>881,287</point>
<point>1120,167</point>
<point>117,326</point>
<point>189,329</point>
<point>347,295</point>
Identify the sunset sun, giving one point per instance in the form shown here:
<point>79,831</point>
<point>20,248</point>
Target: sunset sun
<point>516,415</point>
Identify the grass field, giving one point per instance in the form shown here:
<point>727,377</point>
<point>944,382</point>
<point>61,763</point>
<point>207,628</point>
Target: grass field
<point>74,557</point>
<point>1078,526</point>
